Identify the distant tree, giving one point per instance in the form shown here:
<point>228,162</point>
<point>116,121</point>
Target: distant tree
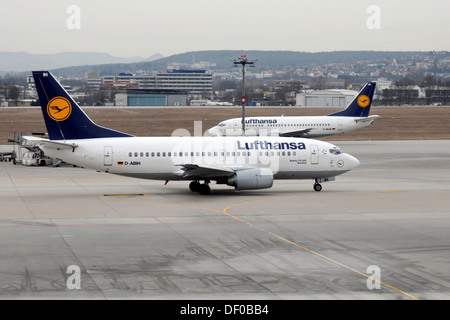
<point>429,81</point>
<point>387,98</point>
<point>319,83</point>
<point>405,82</point>
<point>225,84</point>
<point>13,93</point>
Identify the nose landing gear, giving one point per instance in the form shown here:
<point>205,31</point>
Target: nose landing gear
<point>317,187</point>
<point>317,182</point>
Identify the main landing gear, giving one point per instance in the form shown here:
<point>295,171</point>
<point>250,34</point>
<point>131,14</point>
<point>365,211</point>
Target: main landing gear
<point>202,188</point>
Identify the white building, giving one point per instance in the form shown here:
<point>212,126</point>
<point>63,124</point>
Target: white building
<point>195,82</point>
<point>192,81</point>
<point>383,83</point>
<point>325,98</point>
<point>93,80</point>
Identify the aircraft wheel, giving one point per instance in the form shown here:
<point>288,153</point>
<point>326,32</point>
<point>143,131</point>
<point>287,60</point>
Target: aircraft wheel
<point>194,186</point>
<point>204,189</point>
<point>317,187</point>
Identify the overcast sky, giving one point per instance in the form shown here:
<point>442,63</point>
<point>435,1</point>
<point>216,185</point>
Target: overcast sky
<point>145,27</point>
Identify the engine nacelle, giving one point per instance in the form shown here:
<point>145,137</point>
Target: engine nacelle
<point>258,178</point>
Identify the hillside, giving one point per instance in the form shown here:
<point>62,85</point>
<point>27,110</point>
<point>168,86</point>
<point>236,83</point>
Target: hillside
<point>23,61</point>
<point>266,59</point>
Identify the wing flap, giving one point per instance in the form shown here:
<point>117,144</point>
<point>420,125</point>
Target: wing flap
<point>196,171</point>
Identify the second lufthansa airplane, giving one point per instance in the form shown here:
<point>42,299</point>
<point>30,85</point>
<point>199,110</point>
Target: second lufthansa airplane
<point>241,162</point>
<point>355,116</point>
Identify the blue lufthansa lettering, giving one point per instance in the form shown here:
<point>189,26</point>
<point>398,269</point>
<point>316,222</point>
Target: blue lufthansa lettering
<point>265,145</point>
<point>262,121</point>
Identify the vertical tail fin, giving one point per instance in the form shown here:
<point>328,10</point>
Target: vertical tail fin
<point>360,106</point>
<point>63,117</point>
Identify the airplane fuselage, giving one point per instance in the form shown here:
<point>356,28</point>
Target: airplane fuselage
<point>313,126</point>
<point>162,158</point>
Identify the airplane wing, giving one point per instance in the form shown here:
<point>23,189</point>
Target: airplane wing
<point>195,171</point>
<point>41,142</point>
<point>296,133</point>
<point>367,119</point>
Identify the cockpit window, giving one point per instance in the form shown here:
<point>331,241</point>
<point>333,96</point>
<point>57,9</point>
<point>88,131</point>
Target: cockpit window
<point>221,124</point>
<point>335,151</point>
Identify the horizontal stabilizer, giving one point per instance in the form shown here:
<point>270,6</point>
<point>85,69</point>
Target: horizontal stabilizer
<point>41,142</point>
<point>367,119</point>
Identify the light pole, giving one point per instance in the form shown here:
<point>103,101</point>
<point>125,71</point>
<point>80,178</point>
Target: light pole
<point>243,61</point>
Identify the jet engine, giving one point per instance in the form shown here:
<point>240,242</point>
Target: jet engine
<point>258,178</point>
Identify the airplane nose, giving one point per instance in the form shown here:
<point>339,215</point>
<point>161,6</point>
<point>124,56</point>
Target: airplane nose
<point>213,131</point>
<point>352,162</point>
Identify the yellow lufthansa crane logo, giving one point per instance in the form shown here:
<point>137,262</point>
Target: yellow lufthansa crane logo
<point>59,108</point>
<point>363,101</point>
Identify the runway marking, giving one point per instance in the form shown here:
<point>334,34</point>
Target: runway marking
<point>392,191</point>
<point>309,250</point>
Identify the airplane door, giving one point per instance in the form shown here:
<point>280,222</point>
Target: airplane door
<point>314,155</point>
<point>236,128</point>
<point>339,124</point>
<point>108,156</point>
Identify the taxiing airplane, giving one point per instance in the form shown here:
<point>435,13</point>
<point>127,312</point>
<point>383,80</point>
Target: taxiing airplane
<point>355,116</point>
<point>242,162</point>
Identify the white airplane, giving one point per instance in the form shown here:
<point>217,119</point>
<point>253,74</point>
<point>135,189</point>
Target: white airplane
<point>355,116</point>
<point>241,162</point>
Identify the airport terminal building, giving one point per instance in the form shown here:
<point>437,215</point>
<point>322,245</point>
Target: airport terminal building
<point>194,82</point>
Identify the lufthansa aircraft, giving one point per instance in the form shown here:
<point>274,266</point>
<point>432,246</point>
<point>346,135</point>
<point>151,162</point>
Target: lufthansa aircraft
<point>355,116</point>
<point>241,162</point>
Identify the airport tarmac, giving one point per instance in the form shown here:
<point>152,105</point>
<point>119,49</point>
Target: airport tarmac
<point>138,239</point>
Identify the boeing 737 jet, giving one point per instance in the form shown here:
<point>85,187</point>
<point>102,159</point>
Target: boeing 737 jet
<point>241,162</point>
<point>355,116</point>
